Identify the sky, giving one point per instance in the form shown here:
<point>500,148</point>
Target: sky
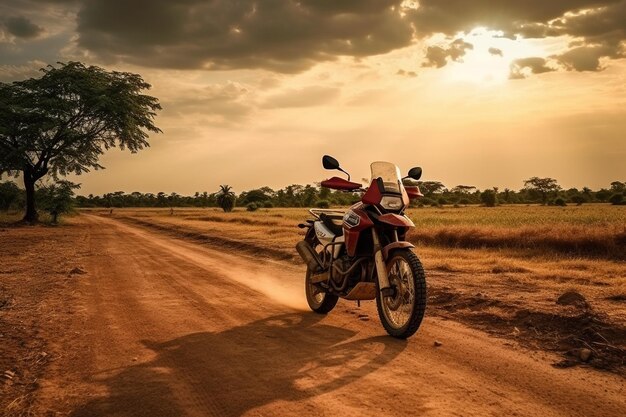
<point>482,92</point>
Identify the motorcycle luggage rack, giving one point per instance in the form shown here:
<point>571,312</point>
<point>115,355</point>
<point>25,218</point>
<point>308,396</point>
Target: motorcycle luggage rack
<point>331,212</point>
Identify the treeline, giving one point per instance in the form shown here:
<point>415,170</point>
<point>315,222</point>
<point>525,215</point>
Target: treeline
<point>535,191</point>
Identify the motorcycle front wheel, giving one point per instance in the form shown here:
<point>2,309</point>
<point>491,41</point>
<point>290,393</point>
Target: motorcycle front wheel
<point>401,313</point>
<point>319,300</point>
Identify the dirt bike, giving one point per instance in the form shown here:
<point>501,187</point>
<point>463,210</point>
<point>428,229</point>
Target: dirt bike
<point>362,253</point>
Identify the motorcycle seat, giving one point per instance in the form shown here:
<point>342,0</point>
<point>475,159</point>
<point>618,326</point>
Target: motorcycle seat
<point>329,222</point>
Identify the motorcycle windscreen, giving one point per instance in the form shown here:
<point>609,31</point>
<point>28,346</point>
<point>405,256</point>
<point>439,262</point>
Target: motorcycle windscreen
<point>390,174</point>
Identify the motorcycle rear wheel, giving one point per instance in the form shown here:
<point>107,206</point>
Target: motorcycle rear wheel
<point>319,300</point>
<point>402,314</point>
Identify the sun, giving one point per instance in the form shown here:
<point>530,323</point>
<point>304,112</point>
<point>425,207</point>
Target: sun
<point>488,62</point>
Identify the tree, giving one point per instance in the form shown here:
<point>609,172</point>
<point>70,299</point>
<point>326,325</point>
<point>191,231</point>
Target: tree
<point>226,198</point>
<point>57,199</point>
<point>616,199</point>
<point>62,122</point>
<point>489,198</point>
<point>431,187</point>
<point>542,186</point>
<point>618,187</point>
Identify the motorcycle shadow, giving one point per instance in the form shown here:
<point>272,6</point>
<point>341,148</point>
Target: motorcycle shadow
<point>288,357</point>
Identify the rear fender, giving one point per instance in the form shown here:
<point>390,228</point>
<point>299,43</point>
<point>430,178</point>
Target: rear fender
<point>393,246</point>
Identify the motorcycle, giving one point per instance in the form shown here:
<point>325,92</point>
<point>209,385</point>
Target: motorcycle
<point>362,253</point>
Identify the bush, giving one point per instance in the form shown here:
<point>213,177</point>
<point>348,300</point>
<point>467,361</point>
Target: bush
<point>441,201</point>
<point>464,201</point>
<point>616,199</point>
<point>57,198</point>
<point>268,204</point>
<point>578,199</point>
<point>323,204</point>
<point>560,202</point>
<point>489,198</point>
<point>252,207</point>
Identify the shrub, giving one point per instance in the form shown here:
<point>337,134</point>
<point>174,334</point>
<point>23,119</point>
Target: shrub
<point>578,199</point>
<point>323,204</point>
<point>441,201</point>
<point>464,201</point>
<point>268,204</point>
<point>489,198</point>
<point>560,202</point>
<point>616,199</point>
<point>252,207</point>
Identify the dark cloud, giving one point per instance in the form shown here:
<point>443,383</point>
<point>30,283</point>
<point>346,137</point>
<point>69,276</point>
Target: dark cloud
<point>21,27</point>
<point>495,51</point>
<point>280,35</point>
<point>534,65</point>
<point>293,35</point>
<point>585,58</point>
<point>513,16</point>
<point>437,56</point>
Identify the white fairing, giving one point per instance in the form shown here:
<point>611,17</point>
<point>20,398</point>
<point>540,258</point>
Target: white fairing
<point>325,236</point>
<point>323,233</point>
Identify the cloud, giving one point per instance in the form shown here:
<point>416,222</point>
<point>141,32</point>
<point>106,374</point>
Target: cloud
<point>437,56</point>
<point>9,73</point>
<point>495,51</point>
<point>302,97</point>
<point>21,27</point>
<point>535,65</point>
<point>280,35</point>
<point>404,73</point>
<point>223,104</point>
<point>291,36</point>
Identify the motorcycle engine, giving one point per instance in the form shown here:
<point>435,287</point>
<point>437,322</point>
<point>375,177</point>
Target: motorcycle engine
<point>344,263</point>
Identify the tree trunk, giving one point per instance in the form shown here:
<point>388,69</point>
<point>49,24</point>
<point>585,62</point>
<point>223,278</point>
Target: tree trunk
<point>31,215</point>
<point>30,178</point>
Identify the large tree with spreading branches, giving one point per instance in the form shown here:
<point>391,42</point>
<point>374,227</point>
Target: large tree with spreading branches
<point>63,121</point>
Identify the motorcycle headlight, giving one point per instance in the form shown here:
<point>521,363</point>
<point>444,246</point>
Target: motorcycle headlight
<point>392,203</point>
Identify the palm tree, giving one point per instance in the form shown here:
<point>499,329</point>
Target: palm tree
<point>226,198</point>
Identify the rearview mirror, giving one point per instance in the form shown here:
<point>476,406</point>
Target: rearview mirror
<point>415,173</point>
<point>329,162</point>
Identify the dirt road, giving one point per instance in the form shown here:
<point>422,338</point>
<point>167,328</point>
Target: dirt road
<point>164,327</point>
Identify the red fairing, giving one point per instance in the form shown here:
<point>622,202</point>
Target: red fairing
<point>337,183</point>
<point>413,191</point>
<point>396,220</point>
<point>351,233</point>
<point>372,195</point>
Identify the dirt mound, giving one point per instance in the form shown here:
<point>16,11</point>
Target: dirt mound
<point>572,298</point>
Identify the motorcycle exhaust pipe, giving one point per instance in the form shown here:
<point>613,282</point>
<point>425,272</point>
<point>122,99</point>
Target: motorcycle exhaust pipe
<point>309,256</point>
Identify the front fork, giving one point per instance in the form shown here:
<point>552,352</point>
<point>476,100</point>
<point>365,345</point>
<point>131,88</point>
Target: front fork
<point>381,268</point>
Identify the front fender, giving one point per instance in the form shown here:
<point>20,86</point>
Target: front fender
<point>395,245</point>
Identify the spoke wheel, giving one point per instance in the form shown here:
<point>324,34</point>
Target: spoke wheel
<point>402,311</point>
<point>319,300</point>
